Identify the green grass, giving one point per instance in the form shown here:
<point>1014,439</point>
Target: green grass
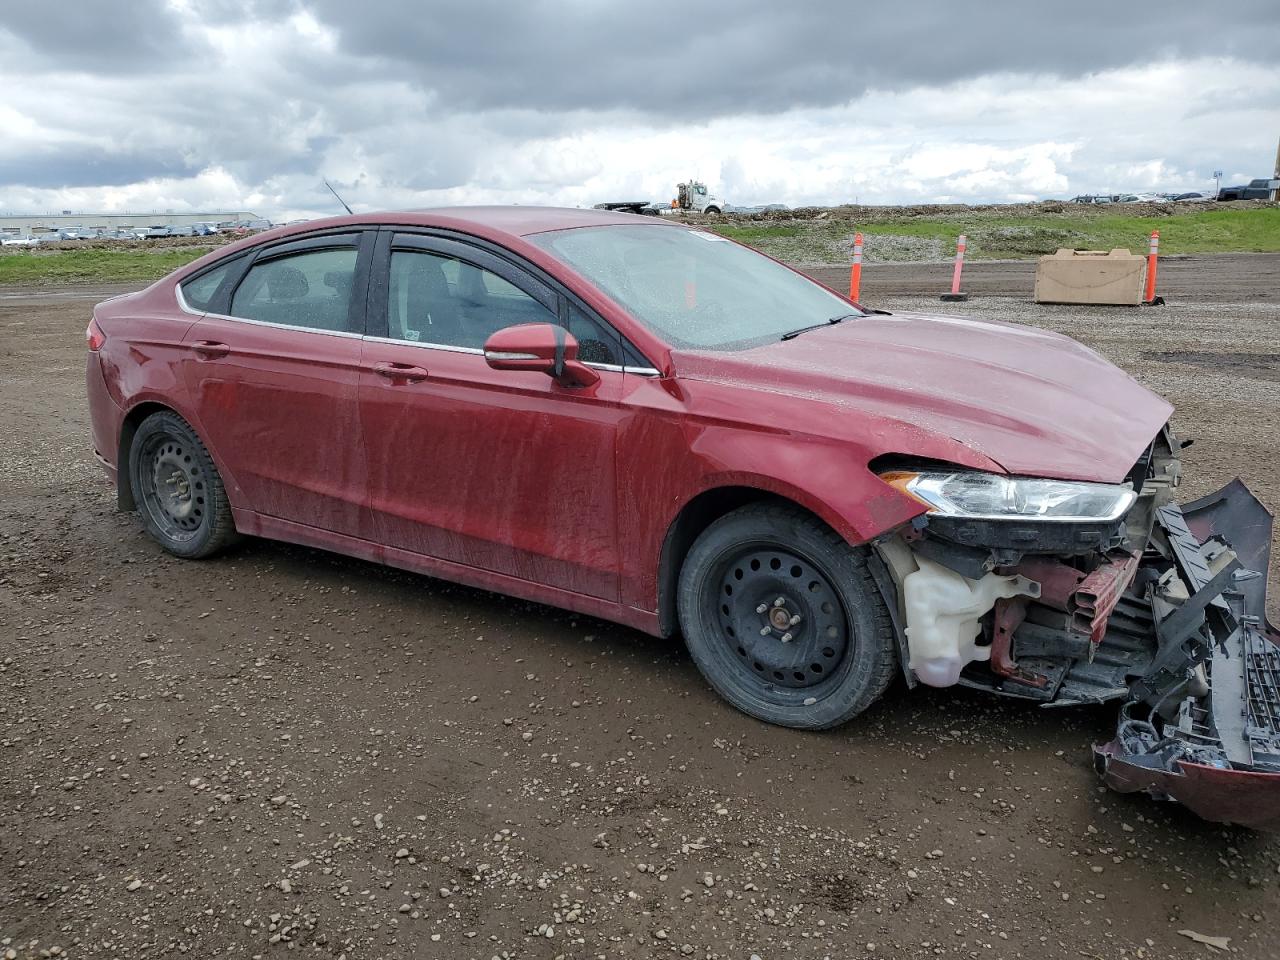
<point>36,267</point>
<point>991,236</point>
<point>994,236</point>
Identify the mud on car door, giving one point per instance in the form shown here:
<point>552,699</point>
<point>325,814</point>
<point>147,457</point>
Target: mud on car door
<point>506,471</point>
<point>273,369</point>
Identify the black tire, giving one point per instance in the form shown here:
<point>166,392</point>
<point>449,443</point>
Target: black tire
<point>841,654</point>
<point>177,489</point>
<point>712,211</point>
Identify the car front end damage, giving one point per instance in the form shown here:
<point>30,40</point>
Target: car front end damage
<point>1069,598</point>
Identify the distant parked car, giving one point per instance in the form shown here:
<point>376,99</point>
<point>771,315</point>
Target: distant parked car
<point>203,229</point>
<point>19,242</point>
<point>157,230</point>
<point>1260,189</point>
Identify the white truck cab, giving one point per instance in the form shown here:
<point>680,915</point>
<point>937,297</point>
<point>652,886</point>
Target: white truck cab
<point>693,196</point>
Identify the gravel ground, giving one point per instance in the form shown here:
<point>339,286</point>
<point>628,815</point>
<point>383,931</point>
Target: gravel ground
<point>284,750</point>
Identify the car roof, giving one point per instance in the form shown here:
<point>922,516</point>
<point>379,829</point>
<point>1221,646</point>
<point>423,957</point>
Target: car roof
<point>522,221</point>
<point>513,221</point>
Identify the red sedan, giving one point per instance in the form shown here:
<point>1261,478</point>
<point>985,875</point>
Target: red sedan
<point>654,425</point>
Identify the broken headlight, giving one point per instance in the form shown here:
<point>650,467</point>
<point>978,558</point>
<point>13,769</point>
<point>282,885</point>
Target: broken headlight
<point>989,496</point>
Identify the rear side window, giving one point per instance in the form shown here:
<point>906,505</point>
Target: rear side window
<point>309,289</point>
<point>199,291</point>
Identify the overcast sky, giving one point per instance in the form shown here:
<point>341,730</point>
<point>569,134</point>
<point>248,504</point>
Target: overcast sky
<point>247,104</point>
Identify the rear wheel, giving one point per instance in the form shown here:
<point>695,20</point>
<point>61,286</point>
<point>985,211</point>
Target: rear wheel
<point>177,488</point>
<point>784,619</point>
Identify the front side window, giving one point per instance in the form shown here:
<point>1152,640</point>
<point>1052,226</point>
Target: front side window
<point>694,289</point>
<point>442,300</point>
<point>309,289</point>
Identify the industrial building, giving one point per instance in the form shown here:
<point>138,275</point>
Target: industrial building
<point>24,225</point>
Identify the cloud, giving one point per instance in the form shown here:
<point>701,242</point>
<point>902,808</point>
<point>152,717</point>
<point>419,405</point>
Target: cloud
<point>192,103</point>
<point>703,60</point>
<point>138,36</point>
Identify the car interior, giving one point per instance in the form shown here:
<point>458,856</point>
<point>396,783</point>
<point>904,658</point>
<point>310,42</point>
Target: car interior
<point>279,291</point>
<point>434,299</point>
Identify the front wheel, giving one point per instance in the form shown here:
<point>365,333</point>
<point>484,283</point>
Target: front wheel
<point>177,488</point>
<point>784,619</point>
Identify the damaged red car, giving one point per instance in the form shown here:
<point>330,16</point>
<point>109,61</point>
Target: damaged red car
<point>652,424</point>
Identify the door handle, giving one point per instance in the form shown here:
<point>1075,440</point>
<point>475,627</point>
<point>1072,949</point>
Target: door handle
<point>399,372</point>
<point>210,349</point>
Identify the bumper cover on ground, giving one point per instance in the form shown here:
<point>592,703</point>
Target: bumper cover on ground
<point>1216,751</point>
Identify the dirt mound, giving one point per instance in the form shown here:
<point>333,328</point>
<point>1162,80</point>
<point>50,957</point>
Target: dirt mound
<point>965,212</point>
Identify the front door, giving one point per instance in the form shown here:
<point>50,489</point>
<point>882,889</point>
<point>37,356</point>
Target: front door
<point>275,383</point>
<point>503,471</point>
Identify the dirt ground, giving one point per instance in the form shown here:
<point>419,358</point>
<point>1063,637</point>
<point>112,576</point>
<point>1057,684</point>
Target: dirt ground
<point>287,750</point>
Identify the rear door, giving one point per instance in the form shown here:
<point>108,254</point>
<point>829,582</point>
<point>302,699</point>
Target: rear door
<point>274,370</point>
<point>502,471</point>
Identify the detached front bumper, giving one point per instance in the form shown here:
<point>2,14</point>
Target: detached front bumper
<point>1202,722</point>
<point>1164,614</point>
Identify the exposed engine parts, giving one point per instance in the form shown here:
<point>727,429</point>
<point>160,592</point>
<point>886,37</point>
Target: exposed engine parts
<point>1165,612</point>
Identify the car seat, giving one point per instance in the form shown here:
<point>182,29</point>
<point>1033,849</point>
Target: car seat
<point>431,312</point>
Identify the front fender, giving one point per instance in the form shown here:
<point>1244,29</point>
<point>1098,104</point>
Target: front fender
<point>665,462</point>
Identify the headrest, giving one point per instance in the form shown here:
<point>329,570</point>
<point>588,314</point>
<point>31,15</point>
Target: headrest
<point>286,283</point>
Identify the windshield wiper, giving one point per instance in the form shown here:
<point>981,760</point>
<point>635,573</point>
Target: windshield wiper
<point>829,322</point>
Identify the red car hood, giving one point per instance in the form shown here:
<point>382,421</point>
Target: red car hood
<point>1037,403</point>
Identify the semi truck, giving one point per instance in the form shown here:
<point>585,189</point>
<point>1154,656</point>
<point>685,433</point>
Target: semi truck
<point>691,196</point>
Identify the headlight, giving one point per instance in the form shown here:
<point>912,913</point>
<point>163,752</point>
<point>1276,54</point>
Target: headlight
<point>989,496</point>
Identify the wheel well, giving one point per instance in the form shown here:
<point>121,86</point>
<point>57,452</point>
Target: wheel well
<point>696,515</point>
<point>133,419</point>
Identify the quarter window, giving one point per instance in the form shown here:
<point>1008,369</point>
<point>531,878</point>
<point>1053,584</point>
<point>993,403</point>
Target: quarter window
<point>200,291</point>
<point>595,344</point>
<point>308,289</point>
<point>442,300</point>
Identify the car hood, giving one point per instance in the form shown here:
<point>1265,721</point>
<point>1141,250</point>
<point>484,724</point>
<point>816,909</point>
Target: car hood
<point>1037,403</point>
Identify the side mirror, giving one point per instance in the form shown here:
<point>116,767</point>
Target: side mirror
<point>540,347</point>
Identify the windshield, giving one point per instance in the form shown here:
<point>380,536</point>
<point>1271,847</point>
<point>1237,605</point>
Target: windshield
<point>694,289</point>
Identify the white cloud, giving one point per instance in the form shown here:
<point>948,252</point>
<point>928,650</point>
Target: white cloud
<point>270,107</point>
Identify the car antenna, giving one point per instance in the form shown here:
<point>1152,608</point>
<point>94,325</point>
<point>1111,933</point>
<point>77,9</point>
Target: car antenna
<point>339,199</point>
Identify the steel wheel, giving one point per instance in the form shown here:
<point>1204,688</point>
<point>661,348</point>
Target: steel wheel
<point>780,614</point>
<point>177,488</point>
<point>173,490</point>
<point>784,619</point>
